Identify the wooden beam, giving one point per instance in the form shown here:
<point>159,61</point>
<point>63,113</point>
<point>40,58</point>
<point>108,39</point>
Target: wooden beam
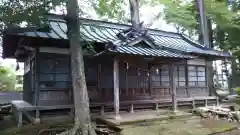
<point>116,87</point>
<point>173,87</point>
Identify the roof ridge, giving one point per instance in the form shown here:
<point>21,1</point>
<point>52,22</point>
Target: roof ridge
<point>60,18</point>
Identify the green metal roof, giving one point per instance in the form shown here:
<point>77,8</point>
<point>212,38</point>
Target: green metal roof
<point>149,52</point>
<point>105,32</point>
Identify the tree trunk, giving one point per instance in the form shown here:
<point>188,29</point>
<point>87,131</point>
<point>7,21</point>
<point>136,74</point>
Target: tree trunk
<point>82,124</point>
<point>134,10</point>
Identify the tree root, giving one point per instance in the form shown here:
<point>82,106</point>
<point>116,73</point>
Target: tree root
<point>77,130</point>
<point>51,131</point>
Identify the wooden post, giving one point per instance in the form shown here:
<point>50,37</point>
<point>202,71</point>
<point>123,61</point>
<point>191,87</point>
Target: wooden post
<point>116,87</point>
<point>217,100</point>
<point>99,69</point>
<point>186,78</point>
<point>131,108</point>
<point>102,110</point>
<point>37,90</point>
<point>99,90</point>
<point>150,79</point>
<point>20,119</point>
<point>193,104</point>
<point>173,86</point>
<point>126,79</point>
<point>206,103</point>
<point>156,107</point>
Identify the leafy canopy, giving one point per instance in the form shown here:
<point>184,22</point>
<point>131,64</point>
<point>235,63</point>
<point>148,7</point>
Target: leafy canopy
<point>28,12</point>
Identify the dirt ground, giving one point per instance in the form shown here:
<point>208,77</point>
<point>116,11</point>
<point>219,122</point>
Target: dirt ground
<point>183,126</point>
<point>190,126</point>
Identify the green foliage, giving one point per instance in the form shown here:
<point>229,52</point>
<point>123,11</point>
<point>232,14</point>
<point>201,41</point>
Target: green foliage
<point>237,90</point>
<point>7,79</point>
<point>225,22</point>
<point>19,88</point>
<point>112,9</point>
<point>179,13</point>
<point>30,12</point>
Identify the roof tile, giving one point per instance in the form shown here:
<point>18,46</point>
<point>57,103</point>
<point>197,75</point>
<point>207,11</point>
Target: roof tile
<point>106,32</point>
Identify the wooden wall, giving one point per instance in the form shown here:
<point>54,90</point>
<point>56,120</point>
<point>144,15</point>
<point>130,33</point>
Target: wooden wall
<point>139,79</point>
<point>29,79</point>
<point>54,78</point>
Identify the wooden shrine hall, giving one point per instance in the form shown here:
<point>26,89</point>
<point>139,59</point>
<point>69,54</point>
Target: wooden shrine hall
<point>126,67</point>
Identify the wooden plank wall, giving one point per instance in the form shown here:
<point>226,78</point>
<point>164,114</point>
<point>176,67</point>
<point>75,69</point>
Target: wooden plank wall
<point>138,79</point>
<point>54,79</point>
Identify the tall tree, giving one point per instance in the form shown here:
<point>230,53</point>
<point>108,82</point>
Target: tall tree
<point>82,124</point>
<point>134,11</point>
<point>31,12</point>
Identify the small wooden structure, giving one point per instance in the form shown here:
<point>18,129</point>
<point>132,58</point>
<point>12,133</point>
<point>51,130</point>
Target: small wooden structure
<point>126,67</point>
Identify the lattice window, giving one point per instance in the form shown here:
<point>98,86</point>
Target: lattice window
<point>196,76</point>
<point>160,76</point>
<point>180,74</point>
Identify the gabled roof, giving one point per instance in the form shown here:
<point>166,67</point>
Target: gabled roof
<point>105,32</point>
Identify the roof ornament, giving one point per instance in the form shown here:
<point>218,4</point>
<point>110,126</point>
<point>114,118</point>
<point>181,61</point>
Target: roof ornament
<point>111,46</point>
<point>133,33</point>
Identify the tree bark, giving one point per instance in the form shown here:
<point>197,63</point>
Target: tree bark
<point>134,10</point>
<point>82,124</point>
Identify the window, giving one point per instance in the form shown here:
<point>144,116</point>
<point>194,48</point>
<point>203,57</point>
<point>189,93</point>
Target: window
<point>160,76</point>
<point>180,74</point>
<point>54,72</point>
<point>196,76</point>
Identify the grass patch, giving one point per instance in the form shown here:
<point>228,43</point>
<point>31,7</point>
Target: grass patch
<point>193,126</point>
<point>11,129</point>
<point>216,126</point>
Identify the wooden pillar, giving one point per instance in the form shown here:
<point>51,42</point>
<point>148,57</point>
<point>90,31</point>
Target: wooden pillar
<point>37,90</point>
<point>116,87</point>
<point>193,104</point>
<point>150,79</point>
<point>206,102</point>
<point>99,90</point>
<point>20,119</point>
<point>186,78</point>
<point>173,87</point>
<point>126,78</point>
<point>99,69</point>
<point>102,110</point>
<point>131,108</point>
